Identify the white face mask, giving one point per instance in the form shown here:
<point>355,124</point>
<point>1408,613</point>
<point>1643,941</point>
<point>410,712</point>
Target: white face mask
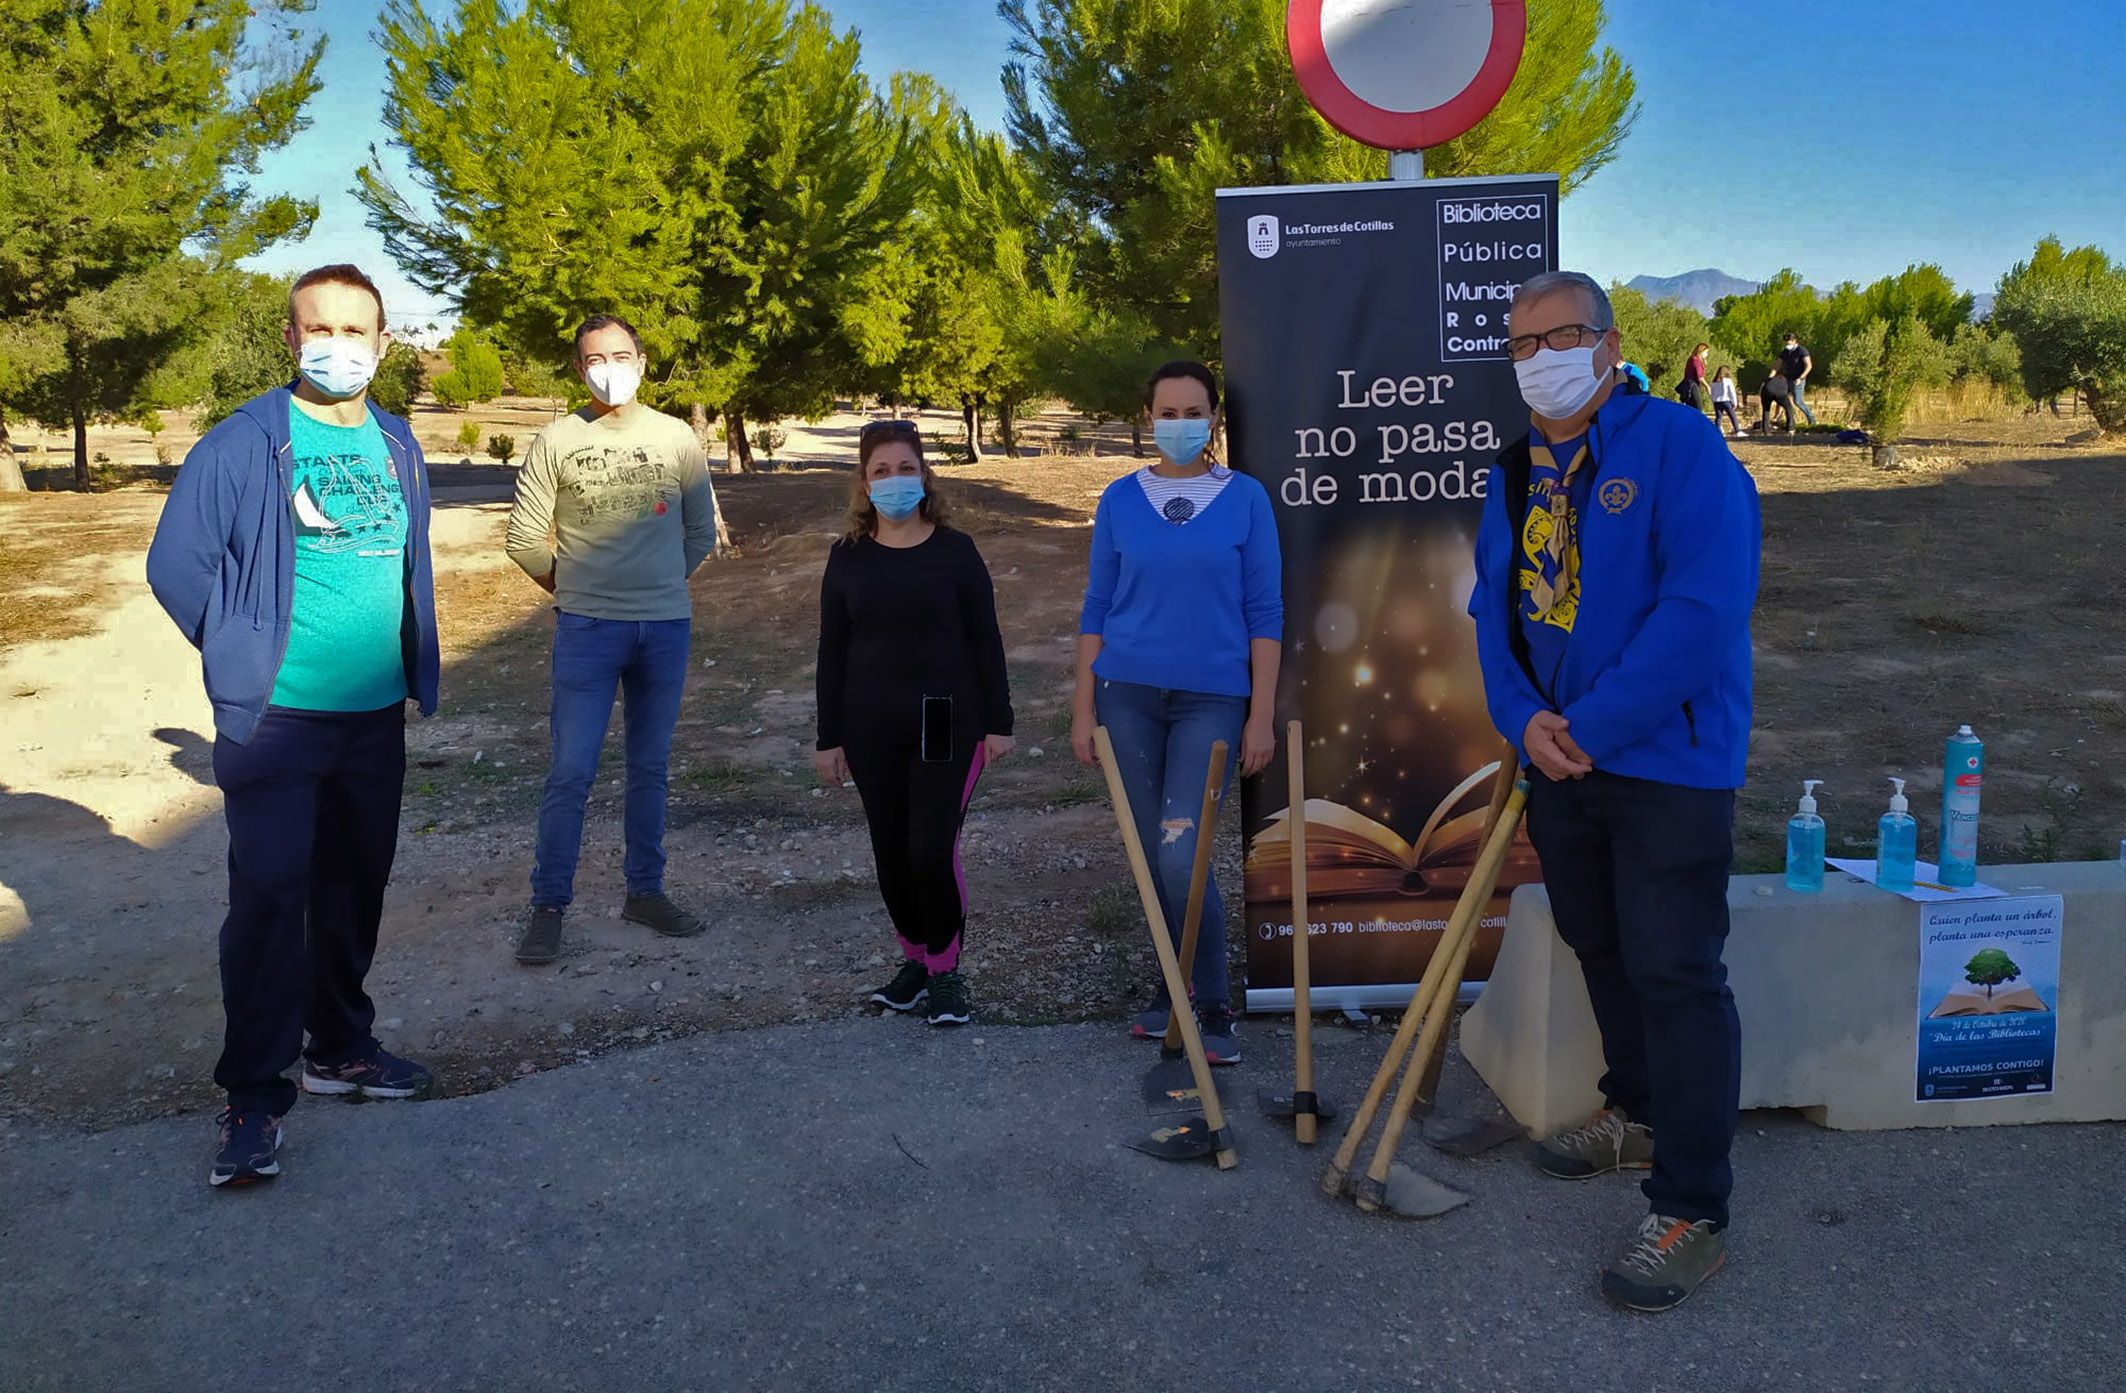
<point>337,368</point>
<point>1556,382</point>
<point>613,384</point>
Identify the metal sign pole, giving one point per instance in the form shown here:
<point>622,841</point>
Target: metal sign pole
<point>1406,166</point>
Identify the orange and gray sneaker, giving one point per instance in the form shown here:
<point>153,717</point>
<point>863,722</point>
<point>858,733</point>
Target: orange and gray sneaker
<point>1610,1141</point>
<point>1663,1262</point>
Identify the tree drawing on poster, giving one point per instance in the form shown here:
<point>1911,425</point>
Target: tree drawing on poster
<point>1989,968</point>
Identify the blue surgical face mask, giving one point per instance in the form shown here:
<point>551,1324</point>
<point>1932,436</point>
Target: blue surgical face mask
<point>339,368</point>
<point>1181,439</point>
<point>898,496</point>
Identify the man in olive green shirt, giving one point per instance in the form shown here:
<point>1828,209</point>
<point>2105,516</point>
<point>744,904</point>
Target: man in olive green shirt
<point>614,510</point>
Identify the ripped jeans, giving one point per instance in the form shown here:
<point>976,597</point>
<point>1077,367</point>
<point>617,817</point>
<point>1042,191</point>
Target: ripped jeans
<point>1163,747</point>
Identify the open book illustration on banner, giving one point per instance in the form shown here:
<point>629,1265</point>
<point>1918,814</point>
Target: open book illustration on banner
<point>1350,854</point>
<point>1973,1001</point>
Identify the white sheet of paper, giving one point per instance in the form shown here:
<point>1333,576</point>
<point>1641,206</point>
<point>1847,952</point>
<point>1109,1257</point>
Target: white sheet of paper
<point>1926,882</point>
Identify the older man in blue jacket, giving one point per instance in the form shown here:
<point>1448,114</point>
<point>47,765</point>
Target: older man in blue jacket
<point>1616,570</point>
<point>293,553</point>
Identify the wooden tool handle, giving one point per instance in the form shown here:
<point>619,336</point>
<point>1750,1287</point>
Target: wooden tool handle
<point>1460,925</point>
<point>1295,758</point>
<point>1509,772</point>
<point>1169,967</point>
<point>1440,1009</point>
<point>1199,876</point>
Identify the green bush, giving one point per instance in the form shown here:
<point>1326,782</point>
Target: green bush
<point>398,379</point>
<point>1886,364</point>
<point>475,371</point>
<point>502,447</point>
<point>469,436</point>
<point>768,438</point>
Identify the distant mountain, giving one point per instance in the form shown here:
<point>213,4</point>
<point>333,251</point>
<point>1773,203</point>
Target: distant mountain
<point>1981,305</point>
<point>1698,289</point>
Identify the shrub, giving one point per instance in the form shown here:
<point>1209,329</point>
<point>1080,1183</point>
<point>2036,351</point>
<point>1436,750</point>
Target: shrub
<point>469,436</point>
<point>502,447</point>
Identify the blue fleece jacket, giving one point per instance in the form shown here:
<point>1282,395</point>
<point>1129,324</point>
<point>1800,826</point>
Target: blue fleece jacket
<point>223,560</point>
<point>1177,605</point>
<point>1655,679</point>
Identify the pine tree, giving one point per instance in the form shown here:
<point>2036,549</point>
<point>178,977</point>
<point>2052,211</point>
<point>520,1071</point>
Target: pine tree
<point>1132,113</point>
<point>126,133</point>
<point>721,172</point>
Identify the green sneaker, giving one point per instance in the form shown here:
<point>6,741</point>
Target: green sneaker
<point>1663,1263</point>
<point>948,999</point>
<point>907,989</point>
<point>1611,1141</point>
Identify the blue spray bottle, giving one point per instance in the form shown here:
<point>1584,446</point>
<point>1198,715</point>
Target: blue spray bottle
<point>1804,843</point>
<point>1897,843</point>
<point>1963,770</point>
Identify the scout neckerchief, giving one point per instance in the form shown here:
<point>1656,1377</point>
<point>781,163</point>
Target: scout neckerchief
<point>1562,547</point>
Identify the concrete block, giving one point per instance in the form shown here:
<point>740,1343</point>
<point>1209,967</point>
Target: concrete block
<point>1827,989</point>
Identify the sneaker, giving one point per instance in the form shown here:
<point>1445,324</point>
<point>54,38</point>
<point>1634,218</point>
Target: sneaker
<point>381,1075</point>
<point>948,999</point>
<point>1221,1034</point>
<point>1663,1263</point>
<point>658,912</point>
<point>1610,1142</point>
<point>250,1148</point>
<point>907,989</point>
<point>1151,1022</point>
<point>541,942</point>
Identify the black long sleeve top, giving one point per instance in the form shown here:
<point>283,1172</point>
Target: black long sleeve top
<point>897,624</point>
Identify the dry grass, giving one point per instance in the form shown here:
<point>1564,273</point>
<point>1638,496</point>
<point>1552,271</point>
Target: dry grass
<point>55,552</point>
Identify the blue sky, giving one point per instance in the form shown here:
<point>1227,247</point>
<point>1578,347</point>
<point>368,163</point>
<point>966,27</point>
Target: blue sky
<point>1845,140</point>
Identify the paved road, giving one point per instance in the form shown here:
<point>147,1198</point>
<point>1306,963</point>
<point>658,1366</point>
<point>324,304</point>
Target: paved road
<point>870,1204</point>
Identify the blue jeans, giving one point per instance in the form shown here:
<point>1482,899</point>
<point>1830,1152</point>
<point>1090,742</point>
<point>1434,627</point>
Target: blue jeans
<point>646,659</point>
<point>1795,391</point>
<point>1162,745</point>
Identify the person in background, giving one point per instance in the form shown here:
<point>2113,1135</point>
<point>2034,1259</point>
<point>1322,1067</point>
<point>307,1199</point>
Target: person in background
<point>293,553</point>
<point>1795,365</point>
<point>1178,648</point>
<point>914,702</point>
<point>1725,401</point>
<point>614,510</point>
<point>1691,391</point>
<point>1773,394</point>
<point>1616,568</point>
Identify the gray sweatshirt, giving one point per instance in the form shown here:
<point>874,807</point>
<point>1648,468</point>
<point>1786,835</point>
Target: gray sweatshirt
<point>620,509</point>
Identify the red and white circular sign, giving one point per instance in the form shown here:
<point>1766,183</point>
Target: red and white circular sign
<point>1405,74</point>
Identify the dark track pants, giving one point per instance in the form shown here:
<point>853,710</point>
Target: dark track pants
<point>312,804</point>
<point>915,811</point>
<point>1637,874</point>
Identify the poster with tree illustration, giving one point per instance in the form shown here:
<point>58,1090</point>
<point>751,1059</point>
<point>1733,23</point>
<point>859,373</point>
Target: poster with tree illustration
<point>1989,994</point>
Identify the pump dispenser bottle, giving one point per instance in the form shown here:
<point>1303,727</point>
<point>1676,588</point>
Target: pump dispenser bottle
<point>1897,846</point>
<point>1804,843</point>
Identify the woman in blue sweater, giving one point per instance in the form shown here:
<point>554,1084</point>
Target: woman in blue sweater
<point>1178,647</point>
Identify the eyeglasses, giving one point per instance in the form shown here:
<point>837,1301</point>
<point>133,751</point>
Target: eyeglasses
<point>874,429</point>
<point>1523,346</point>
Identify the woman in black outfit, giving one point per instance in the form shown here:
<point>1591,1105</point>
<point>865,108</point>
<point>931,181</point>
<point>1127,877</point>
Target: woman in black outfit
<point>913,702</point>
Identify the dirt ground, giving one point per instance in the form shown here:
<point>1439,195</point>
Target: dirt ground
<point>1968,588</point>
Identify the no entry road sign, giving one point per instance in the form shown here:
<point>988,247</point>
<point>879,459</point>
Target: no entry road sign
<point>1405,74</point>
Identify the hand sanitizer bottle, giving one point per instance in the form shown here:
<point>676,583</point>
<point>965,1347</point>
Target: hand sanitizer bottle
<point>1804,843</point>
<point>1963,769</point>
<point>1898,843</point>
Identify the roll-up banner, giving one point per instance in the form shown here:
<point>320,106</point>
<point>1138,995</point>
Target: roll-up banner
<point>1370,391</point>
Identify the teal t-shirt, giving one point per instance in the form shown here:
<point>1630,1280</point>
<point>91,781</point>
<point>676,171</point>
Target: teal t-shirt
<point>344,650</point>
